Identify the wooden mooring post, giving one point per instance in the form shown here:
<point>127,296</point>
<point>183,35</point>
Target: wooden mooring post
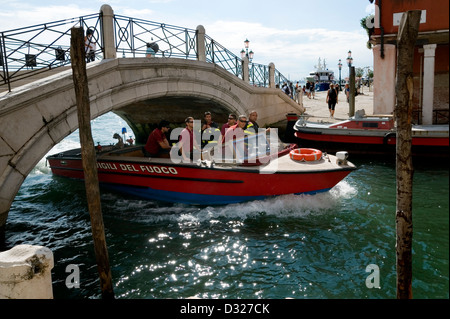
<point>351,101</point>
<point>407,36</point>
<point>89,159</point>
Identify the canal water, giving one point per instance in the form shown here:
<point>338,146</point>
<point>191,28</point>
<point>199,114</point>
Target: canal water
<point>330,245</point>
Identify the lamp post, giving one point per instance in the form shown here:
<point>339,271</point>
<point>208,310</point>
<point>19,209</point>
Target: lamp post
<point>245,53</point>
<point>349,59</point>
<point>340,68</point>
<point>245,62</point>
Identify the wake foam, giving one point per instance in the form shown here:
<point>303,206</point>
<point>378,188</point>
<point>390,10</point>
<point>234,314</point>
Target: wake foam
<point>286,206</point>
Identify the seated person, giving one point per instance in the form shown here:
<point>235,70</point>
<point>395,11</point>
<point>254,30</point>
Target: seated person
<point>157,144</point>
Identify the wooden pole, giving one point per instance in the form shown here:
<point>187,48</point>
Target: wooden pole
<point>351,104</point>
<point>407,36</point>
<point>89,159</point>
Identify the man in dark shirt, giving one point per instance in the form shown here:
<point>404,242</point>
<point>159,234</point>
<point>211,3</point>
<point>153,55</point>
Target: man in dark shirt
<point>157,144</point>
<point>252,117</point>
<point>210,130</point>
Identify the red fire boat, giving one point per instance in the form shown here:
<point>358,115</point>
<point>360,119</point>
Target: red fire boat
<point>209,181</point>
<point>371,135</point>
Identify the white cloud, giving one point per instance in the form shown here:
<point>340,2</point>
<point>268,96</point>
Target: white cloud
<point>136,13</point>
<point>23,15</point>
<point>370,8</point>
<point>294,52</point>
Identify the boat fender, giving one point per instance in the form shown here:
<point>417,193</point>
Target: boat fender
<point>306,154</point>
<point>387,136</point>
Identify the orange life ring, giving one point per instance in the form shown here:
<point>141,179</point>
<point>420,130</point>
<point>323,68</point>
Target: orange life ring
<point>306,154</point>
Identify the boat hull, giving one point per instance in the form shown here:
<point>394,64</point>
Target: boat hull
<point>426,141</point>
<point>194,184</point>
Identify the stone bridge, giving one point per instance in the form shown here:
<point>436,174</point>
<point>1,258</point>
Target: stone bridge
<point>37,116</point>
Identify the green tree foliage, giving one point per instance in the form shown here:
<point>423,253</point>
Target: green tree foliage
<point>367,23</point>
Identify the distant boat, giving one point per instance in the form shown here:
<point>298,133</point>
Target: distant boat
<point>321,76</point>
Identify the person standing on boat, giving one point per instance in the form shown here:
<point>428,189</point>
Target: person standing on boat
<point>210,130</point>
<point>238,130</point>
<point>252,125</point>
<point>187,143</point>
<point>157,144</point>
<point>332,100</point>
<point>226,126</point>
<point>239,133</point>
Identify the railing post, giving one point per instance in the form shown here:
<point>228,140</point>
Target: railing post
<point>4,61</point>
<point>245,75</point>
<point>271,75</point>
<point>201,49</point>
<point>107,15</point>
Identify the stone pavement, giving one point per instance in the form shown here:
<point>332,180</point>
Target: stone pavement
<point>317,108</point>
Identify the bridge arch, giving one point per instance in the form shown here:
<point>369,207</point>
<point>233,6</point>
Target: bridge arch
<point>39,115</point>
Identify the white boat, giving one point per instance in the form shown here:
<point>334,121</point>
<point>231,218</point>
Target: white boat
<point>321,76</point>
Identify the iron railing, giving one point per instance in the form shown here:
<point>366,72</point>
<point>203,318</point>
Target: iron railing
<point>217,54</point>
<point>28,51</point>
<point>132,36</point>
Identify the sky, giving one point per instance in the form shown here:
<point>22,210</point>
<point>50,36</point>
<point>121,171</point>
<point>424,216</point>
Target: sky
<point>291,34</point>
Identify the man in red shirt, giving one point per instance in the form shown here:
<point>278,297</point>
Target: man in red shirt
<point>157,144</point>
<point>187,143</point>
<point>226,126</point>
<point>236,132</point>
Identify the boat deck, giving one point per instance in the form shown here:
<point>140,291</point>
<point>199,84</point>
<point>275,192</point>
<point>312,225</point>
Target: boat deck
<point>283,164</point>
<point>435,130</point>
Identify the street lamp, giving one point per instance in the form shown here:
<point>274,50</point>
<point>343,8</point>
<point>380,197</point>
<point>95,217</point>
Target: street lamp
<point>340,67</point>
<point>349,59</point>
<point>245,53</point>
